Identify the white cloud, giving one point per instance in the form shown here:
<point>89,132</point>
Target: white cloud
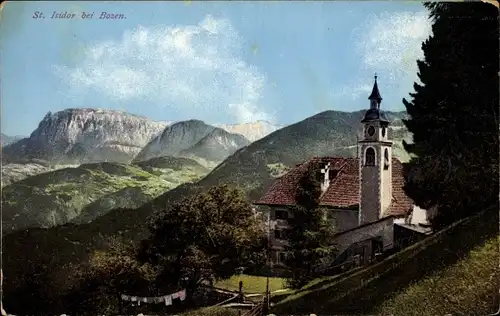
<point>392,42</point>
<point>389,44</point>
<point>195,69</point>
<point>353,91</point>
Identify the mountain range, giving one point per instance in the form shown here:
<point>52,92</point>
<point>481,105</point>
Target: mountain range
<point>7,140</point>
<point>95,135</point>
<point>76,136</point>
<point>85,135</point>
<point>194,139</point>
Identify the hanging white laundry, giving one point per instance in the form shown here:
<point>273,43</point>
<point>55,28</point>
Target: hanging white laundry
<point>182,295</point>
<point>133,298</point>
<point>168,300</point>
<point>175,295</point>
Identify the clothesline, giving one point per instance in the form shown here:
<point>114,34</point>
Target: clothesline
<point>155,300</point>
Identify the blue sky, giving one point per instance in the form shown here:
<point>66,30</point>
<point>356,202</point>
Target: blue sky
<point>221,62</point>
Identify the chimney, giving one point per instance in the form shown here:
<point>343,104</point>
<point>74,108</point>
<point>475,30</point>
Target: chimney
<point>326,178</point>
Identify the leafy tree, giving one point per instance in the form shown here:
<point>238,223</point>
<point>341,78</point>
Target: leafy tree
<point>310,237</point>
<point>97,284</point>
<point>207,236</point>
<point>453,113</point>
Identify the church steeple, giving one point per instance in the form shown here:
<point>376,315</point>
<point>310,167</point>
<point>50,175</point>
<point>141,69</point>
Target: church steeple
<point>374,113</point>
<point>375,159</point>
<point>375,98</point>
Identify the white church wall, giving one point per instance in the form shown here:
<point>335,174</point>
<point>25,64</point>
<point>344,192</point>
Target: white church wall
<point>419,216</point>
<point>400,220</point>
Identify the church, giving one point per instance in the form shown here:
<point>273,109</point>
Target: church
<point>364,196</point>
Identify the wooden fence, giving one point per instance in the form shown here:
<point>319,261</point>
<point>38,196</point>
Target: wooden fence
<point>257,310</point>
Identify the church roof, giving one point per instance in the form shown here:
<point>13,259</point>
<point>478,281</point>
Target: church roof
<point>375,95</point>
<point>375,115</point>
<point>344,188</point>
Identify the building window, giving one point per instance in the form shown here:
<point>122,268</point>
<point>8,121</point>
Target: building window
<point>280,234</point>
<point>371,131</point>
<point>281,257</point>
<point>280,214</point>
<point>370,157</point>
<point>277,234</point>
<point>386,159</point>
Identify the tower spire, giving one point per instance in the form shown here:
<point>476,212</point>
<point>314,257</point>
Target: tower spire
<point>375,98</point>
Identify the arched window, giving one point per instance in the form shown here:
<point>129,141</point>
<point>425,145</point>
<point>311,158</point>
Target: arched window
<point>370,157</point>
<point>386,159</point>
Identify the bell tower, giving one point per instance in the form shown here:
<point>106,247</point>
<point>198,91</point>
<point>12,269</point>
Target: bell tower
<point>375,159</point>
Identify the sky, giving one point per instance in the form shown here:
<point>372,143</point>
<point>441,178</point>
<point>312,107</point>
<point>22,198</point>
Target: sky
<point>218,61</point>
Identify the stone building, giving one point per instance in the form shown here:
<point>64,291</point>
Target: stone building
<point>364,195</point>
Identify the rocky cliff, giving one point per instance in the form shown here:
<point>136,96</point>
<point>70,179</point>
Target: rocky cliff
<point>175,138</point>
<point>85,135</point>
<point>252,131</point>
<point>216,146</point>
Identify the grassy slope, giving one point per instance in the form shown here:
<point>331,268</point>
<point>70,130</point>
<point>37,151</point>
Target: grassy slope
<point>83,193</point>
<point>251,283</point>
<point>362,292</point>
<point>469,287</point>
<point>213,311</point>
<point>16,172</point>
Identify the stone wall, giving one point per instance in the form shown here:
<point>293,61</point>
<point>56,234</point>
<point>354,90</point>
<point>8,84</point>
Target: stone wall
<point>344,219</point>
<point>382,230</point>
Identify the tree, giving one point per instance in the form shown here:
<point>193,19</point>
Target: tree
<point>97,284</point>
<point>311,233</point>
<point>206,236</point>
<point>453,113</point>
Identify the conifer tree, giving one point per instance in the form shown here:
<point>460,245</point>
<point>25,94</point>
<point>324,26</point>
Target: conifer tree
<point>453,113</point>
<point>310,235</point>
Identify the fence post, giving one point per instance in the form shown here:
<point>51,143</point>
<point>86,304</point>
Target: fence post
<point>120,307</point>
<point>265,305</point>
<point>241,298</point>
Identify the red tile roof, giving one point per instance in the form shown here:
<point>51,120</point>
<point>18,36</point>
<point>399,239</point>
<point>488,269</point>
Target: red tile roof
<point>401,203</point>
<point>344,188</point>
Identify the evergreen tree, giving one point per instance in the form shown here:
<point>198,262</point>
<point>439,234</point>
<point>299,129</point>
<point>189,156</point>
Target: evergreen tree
<point>453,113</point>
<point>310,236</point>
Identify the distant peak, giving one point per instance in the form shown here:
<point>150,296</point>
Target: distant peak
<point>189,122</point>
<point>246,123</point>
<point>220,131</point>
<point>76,111</point>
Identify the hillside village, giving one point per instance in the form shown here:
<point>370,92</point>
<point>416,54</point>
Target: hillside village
<point>369,212</point>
